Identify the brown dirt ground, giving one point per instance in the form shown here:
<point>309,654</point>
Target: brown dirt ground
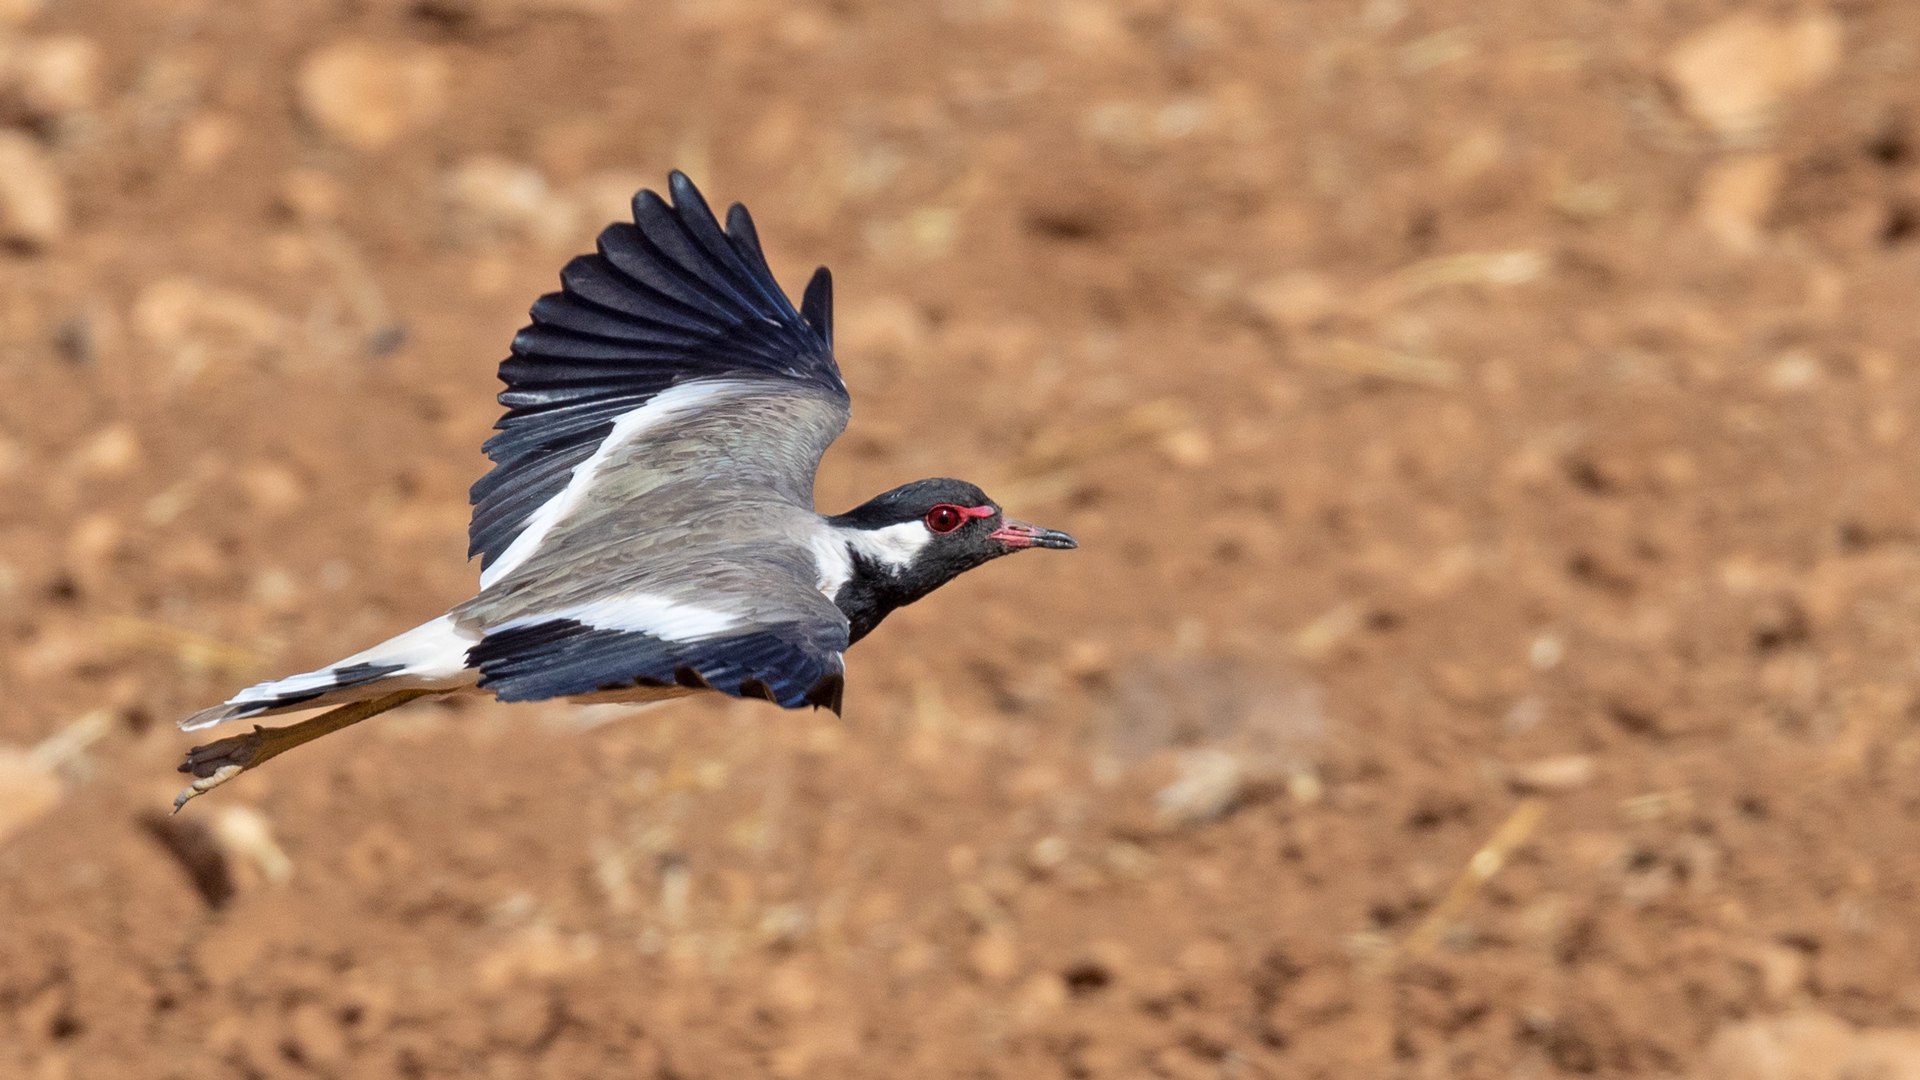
<point>1372,542</point>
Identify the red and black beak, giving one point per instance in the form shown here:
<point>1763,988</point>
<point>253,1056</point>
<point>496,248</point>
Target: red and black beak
<point>1019,534</point>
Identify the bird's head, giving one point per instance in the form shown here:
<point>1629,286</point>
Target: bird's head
<point>922,535</point>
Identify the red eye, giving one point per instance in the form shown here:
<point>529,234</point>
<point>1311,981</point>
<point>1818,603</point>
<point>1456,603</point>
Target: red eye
<point>945,519</point>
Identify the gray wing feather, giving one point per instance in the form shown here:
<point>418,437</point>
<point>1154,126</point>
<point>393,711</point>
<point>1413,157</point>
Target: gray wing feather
<point>716,506</point>
<point>669,299</point>
<point>708,512</point>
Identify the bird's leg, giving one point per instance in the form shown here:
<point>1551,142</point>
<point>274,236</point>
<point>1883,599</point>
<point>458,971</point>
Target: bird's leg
<point>220,761</point>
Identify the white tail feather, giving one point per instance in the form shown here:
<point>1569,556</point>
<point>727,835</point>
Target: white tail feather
<point>430,656</point>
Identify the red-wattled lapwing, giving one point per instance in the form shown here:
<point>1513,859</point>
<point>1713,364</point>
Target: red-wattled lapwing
<point>648,530</point>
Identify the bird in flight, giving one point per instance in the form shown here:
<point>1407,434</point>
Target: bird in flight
<point>648,530</point>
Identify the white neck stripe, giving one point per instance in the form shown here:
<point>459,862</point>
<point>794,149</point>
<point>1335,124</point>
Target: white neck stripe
<point>894,547</point>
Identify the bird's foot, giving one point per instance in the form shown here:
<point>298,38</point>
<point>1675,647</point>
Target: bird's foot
<point>223,759</point>
<point>232,751</point>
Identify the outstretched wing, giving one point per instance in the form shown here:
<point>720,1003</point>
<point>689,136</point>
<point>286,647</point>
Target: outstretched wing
<point>669,300</point>
<point>648,527</point>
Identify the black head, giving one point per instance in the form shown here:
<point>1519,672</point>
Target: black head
<point>917,537</point>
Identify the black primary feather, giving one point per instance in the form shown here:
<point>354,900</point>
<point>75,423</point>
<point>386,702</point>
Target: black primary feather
<point>669,298</point>
<point>791,664</point>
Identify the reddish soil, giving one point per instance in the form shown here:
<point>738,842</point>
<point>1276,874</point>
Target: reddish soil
<point>1625,524</point>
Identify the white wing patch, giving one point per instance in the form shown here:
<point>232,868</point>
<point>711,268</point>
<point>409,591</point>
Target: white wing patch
<point>663,407</point>
<point>655,616</point>
<point>894,547</point>
<point>830,556</point>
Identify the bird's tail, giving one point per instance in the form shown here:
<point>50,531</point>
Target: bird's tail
<point>431,656</point>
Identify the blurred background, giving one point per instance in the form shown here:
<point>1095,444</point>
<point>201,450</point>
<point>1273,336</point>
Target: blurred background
<point>1488,427</point>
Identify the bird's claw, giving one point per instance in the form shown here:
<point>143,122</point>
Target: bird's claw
<point>223,759</point>
<point>206,783</point>
<point>218,762</point>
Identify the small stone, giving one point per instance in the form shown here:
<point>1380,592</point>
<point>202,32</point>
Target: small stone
<point>1128,859</point>
<point>1294,302</point>
<point>1809,1045</point>
<point>1526,714</point>
<point>1553,775</point>
<point>495,197</point>
<point>276,590</point>
<point>963,861</point>
<point>1545,652</point>
<point>1782,968</point>
<point>1887,426</point>
<point>113,452</point>
<point>273,491</point>
<point>1318,638</point>
<point>1804,1044</point>
<point>205,141</point>
<point>1209,781</point>
<point>1443,575</point>
<point>995,955</point>
<point>1586,200</point>
<point>56,75</point>
<point>803,29</point>
<point>33,197</point>
<point>94,540</point>
<point>1087,658</point>
<point>1205,958</point>
<point>1039,997</point>
<point>30,780</point>
<point>28,789</point>
<point>195,324</point>
<point>1048,853</point>
<point>1438,49</point>
<point>175,310</point>
<point>535,953</point>
<point>1475,268</point>
<point>246,836</point>
<point>311,195</point>
<point>290,252</point>
<point>1735,198</point>
<point>793,988</point>
<point>318,1035</point>
<point>1733,75</point>
<point>1304,785</point>
<point>1794,372</point>
<point>1878,366</point>
<point>1318,995</point>
<point>1473,155</point>
<point>925,232</point>
<point>783,924</point>
<point>1188,448</point>
<point>369,95</point>
<point>56,654</point>
<point>1091,28</point>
